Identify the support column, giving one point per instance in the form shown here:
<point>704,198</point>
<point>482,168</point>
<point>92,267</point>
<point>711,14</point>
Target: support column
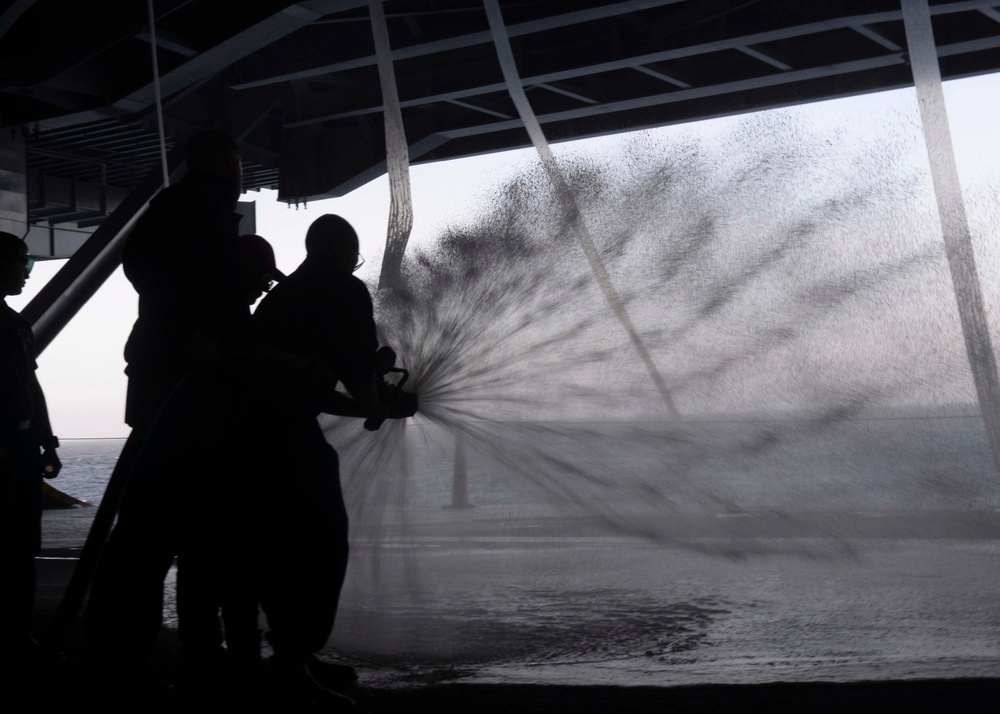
<point>460,478</point>
<point>954,223</point>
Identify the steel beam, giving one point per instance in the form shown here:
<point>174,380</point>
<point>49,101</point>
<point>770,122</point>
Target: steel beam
<point>992,14</point>
<point>875,37</point>
<point>566,93</point>
<point>636,62</point>
<point>856,23</point>
<point>470,40</point>
<point>526,28</point>
<point>764,57</point>
<point>483,110</point>
<point>662,77</point>
<point>680,95</point>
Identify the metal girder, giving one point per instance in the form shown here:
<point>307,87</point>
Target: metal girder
<point>207,64</point>
<point>693,93</point>
<point>662,77</point>
<point>634,62</point>
<point>166,42</point>
<point>875,37</point>
<point>787,77</point>
<point>470,40</point>
<point>567,93</point>
<point>764,57</point>
<point>417,148</point>
<point>484,110</point>
<point>13,13</point>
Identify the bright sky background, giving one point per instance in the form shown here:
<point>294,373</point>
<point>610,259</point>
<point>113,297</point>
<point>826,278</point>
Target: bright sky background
<point>82,371</point>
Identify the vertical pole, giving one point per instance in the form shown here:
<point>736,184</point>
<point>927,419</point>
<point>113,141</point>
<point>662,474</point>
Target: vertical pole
<point>460,479</point>
<point>954,223</point>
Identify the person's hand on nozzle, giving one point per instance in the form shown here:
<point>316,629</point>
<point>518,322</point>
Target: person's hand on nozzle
<point>403,405</point>
<point>398,405</point>
<point>373,423</point>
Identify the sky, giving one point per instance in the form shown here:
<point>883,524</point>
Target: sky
<point>82,374</point>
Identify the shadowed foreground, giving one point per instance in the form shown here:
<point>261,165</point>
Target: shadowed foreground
<point>65,687</point>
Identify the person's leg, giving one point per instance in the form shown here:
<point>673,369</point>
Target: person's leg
<point>125,606</point>
<point>305,561</point>
<point>308,557</point>
<point>199,599</point>
<point>20,540</point>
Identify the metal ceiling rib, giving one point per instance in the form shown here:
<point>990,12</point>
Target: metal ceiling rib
<point>305,74</point>
<point>599,12</point>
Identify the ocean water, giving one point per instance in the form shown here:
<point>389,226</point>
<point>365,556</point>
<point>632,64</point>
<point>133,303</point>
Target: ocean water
<point>87,467</point>
<point>877,465</point>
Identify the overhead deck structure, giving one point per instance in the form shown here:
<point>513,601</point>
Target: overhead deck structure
<point>297,83</point>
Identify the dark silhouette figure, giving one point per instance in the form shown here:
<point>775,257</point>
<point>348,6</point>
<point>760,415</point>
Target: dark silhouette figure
<point>279,532</point>
<point>322,315</point>
<point>183,259</point>
<point>27,454</point>
<point>220,596</point>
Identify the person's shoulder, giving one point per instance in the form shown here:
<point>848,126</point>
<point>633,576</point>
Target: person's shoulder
<point>180,198</point>
<point>170,204</point>
<point>12,319</point>
<point>175,193</point>
<point>357,285</point>
<point>352,290</point>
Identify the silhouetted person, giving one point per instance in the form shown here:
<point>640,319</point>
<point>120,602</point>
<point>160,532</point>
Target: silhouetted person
<point>27,453</point>
<point>183,259</point>
<point>219,596</point>
<point>323,313</point>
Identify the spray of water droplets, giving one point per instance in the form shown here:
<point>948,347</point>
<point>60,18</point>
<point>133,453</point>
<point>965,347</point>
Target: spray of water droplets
<point>791,294</point>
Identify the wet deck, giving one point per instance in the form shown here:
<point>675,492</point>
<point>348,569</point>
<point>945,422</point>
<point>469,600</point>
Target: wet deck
<point>436,678</point>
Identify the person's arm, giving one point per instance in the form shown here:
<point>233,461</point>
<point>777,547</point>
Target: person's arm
<point>364,392</point>
<point>340,404</point>
<point>356,364</point>
<point>51,465</point>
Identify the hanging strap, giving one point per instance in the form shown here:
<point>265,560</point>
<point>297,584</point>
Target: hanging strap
<point>397,153</point>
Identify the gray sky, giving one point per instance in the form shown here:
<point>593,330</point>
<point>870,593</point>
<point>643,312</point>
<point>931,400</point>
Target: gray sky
<point>82,371</point>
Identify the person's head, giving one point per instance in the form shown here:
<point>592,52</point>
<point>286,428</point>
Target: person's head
<point>214,152</point>
<point>15,264</point>
<point>333,240</point>
<point>259,269</point>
